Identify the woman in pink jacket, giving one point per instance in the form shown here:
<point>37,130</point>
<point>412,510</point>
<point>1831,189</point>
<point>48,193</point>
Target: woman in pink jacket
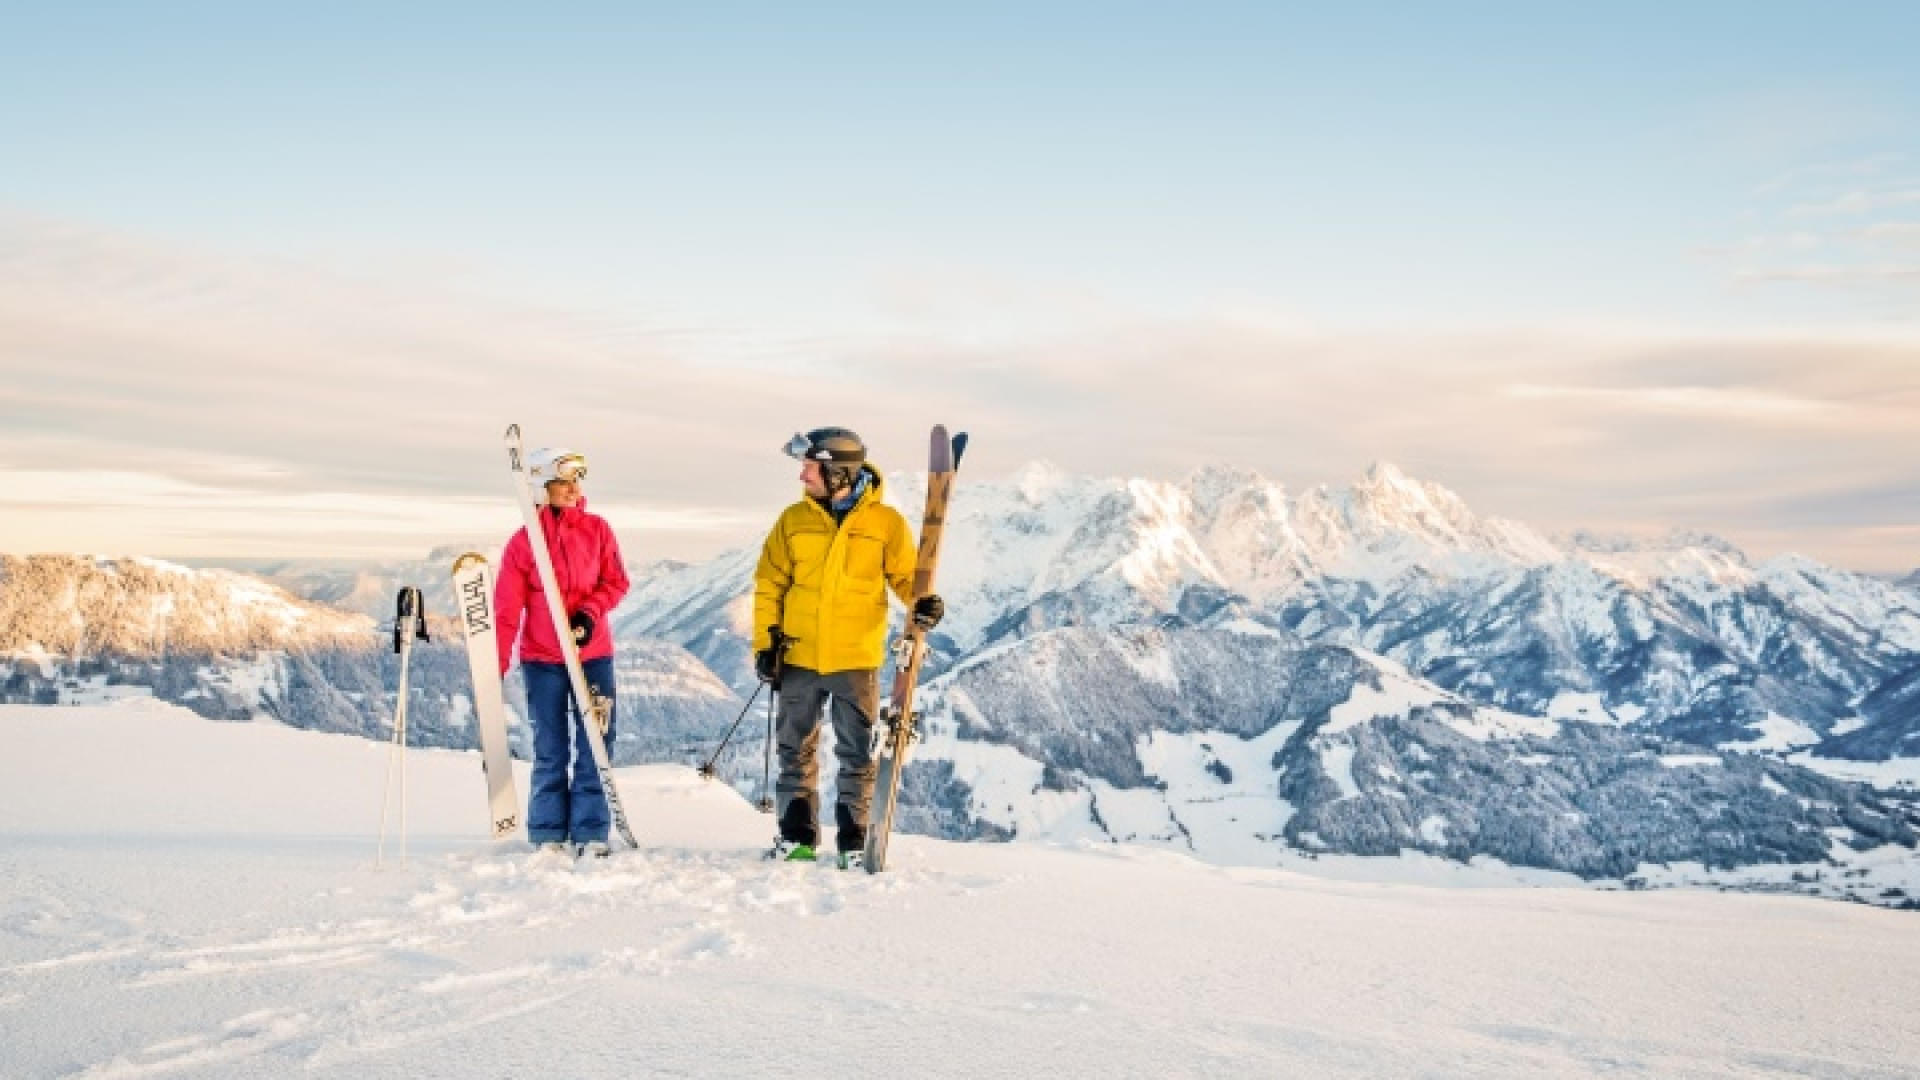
<point>562,813</point>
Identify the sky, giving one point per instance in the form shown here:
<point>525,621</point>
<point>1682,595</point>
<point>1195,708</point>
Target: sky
<point>272,281</point>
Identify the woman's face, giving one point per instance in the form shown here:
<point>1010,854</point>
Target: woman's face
<point>563,493</point>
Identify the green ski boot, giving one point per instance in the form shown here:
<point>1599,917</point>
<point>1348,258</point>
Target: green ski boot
<point>785,850</point>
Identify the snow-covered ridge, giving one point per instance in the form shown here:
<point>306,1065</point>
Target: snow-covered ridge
<point>1123,547</point>
<point>77,606</point>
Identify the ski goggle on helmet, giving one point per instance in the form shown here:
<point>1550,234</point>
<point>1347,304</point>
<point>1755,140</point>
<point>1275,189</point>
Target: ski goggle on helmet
<point>548,464</point>
<point>829,446</point>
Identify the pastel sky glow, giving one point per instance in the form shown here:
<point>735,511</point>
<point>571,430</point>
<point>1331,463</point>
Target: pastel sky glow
<point>272,281</point>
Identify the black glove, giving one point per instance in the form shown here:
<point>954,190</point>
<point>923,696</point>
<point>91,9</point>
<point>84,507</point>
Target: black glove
<point>768,661</point>
<point>928,611</point>
<point>582,624</point>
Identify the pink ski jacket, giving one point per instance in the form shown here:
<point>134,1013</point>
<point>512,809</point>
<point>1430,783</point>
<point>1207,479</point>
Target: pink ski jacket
<point>592,578</point>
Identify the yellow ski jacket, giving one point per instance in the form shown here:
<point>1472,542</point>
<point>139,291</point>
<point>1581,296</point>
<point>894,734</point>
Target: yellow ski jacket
<point>825,586</point>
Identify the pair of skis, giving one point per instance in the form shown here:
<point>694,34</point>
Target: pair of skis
<point>473,586</point>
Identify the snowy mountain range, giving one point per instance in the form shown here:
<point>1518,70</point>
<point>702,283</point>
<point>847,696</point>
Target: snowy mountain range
<point>230,646</point>
<point>1223,666</point>
<point>1683,636</point>
<point>1227,667</point>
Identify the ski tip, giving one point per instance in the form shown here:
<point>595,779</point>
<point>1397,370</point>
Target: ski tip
<point>939,451</point>
<point>468,559</point>
<point>959,447</point>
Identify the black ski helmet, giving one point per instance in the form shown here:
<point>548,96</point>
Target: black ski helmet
<point>839,451</point>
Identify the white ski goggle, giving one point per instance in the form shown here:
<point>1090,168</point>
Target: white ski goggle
<point>572,470</point>
<point>799,447</point>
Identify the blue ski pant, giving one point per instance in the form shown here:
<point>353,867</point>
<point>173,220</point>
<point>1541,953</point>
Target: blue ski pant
<point>565,808</point>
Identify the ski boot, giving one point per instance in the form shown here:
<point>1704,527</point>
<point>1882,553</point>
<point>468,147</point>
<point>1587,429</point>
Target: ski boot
<point>785,850</point>
<point>850,839</point>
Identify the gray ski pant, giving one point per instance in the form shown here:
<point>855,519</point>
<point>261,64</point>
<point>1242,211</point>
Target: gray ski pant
<point>854,699</point>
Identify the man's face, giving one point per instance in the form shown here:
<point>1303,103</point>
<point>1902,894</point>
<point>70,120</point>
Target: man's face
<point>812,480</point>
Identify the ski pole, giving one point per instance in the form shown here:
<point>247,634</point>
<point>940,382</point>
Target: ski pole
<point>406,654</point>
<point>407,623</point>
<point>766,763</point>
<point>707,769</point>
<point>395,759</point>
<point>781,643</point>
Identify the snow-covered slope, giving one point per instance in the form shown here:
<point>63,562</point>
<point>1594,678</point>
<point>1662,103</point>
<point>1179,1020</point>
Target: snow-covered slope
<point>705,609</point>
<point>1245,748</point>
<point>75,605</point>
<point>238,928</point>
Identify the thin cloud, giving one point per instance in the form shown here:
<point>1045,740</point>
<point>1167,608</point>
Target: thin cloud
<point>1752,246</point>
<point>1899,233</point>
<point>114,352</point>
<point>253,404</point>
<point>1875,165</point>
<point>1895,500</point>
<point>143,512</point>
<point>1783,125</point>
<point>1699,401</point>
<point>1833,275</point>
<point>1858,202</point>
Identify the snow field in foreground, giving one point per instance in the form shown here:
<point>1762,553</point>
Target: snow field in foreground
<point>185,898</point>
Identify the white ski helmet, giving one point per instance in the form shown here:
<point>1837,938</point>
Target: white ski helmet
<point>550,463</point>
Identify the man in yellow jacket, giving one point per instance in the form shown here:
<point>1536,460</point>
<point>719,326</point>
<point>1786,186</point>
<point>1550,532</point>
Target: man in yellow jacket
<point>820,631</point>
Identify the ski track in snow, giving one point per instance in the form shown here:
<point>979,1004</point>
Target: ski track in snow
<point>414,944</point>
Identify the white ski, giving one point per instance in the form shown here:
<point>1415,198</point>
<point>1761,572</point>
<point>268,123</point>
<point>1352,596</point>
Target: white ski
<point>595,705</point>
<point>473,590</point>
